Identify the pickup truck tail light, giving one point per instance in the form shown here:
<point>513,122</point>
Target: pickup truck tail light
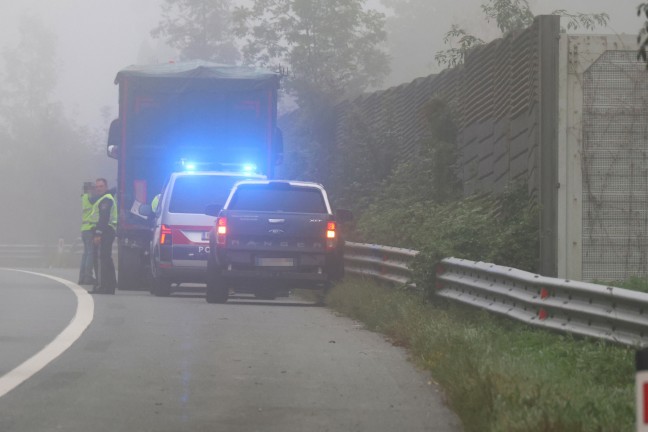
<point>165,235</point>
<point>221,231</point>
<point>331,236</point>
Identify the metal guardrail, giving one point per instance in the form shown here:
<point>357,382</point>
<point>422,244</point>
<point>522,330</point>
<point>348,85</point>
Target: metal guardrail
<point>29,255</point>
<point>383,262</point>
<point>26,255</point>
<point>603,312</point>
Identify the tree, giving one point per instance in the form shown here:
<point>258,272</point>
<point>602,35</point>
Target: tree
<point>455,55</point>
<point>199,29</point>
<point>509,16</point>
<point>642,38</point>
<point>41,149</point>
<point>332,48</point>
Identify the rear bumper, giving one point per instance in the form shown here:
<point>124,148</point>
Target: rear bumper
<point>268,274</point>
<point>246,280</point>
<point>307,269</point>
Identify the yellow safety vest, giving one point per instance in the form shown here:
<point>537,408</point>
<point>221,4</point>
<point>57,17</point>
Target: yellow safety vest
<point>86,211</point>
<point>155,203</point>
<point>94,216</point>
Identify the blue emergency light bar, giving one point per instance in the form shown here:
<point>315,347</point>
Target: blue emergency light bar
<point>190,166</point>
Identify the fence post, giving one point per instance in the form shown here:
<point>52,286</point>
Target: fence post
<point>641,388</point>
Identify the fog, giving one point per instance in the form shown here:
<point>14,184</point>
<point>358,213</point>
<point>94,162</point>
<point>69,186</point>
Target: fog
<point>93,40</point>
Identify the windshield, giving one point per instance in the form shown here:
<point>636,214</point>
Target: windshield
<point>191,194</point>
<point>270,198</point>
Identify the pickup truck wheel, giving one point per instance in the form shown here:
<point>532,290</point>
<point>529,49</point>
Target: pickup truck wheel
<point>217,291</point>
<point>160,287</point>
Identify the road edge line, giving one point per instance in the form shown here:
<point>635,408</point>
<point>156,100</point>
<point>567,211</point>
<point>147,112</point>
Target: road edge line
<point>64,340</point>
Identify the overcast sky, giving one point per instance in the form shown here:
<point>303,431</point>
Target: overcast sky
<point>97,38</point>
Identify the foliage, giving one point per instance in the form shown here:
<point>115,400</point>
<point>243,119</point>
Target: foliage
<point>497,374</point>
<point>633,283</point>
<point>587,21</point>
<point>418,203</point>
<point>367,168</point>
<point>642,38</point>
<point>361,162</point>
<point>502,230</point>
<point>454,56</point>
<point>509,16</point>
<point>332,49</point>
<point>308,142</point>
<point>199,29</point>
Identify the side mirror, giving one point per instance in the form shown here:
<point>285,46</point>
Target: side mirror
<point>213,209</point>
<point>145,210</point>
<point>343,215</point>
<point>113,151</point>
<point>112,148</point>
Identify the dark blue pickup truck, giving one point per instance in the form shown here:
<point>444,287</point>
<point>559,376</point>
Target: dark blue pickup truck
<point>273,236</point>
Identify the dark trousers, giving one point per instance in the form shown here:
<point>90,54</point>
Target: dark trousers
<point>104,265</point>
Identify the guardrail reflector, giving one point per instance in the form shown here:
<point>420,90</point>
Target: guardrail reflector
<point>542,314</point>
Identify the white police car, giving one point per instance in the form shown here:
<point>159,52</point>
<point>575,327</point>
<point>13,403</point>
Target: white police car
<point>180,244</point>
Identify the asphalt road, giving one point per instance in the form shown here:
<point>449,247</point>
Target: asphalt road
<point>179,364</point>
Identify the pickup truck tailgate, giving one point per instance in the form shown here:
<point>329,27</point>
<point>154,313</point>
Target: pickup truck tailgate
<point>283,232</point>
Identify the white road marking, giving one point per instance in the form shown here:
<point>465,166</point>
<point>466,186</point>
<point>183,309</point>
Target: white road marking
<point>65,339</point>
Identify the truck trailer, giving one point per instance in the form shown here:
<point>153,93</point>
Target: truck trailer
<point>185,116</point>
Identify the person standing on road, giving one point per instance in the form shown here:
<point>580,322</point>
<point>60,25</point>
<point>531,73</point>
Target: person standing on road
<point>104,212</point>
<point>88,199</point>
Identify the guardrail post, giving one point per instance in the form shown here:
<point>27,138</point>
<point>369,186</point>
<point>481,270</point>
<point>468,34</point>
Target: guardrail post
<point>641,388</point>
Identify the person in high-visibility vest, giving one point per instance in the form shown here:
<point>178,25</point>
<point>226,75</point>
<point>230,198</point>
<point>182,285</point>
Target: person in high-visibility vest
<point>104,214</point>
<point>88,198</point>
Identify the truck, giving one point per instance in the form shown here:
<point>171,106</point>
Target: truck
<point>192,115</point>
<point>271,236</point>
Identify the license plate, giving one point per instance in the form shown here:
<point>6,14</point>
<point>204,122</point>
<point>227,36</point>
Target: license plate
<point>275,262</point>
<point>205,235</point>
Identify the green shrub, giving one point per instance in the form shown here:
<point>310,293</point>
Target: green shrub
<point>502,230</point>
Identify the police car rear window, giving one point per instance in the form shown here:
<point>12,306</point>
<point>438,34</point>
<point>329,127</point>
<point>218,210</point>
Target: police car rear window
<point>191,194</point>
<point>286,198</point>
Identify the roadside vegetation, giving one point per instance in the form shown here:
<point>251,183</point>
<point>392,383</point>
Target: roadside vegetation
<point>499,375</point>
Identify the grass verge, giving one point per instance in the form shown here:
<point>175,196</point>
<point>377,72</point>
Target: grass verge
<point>497,374</point>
